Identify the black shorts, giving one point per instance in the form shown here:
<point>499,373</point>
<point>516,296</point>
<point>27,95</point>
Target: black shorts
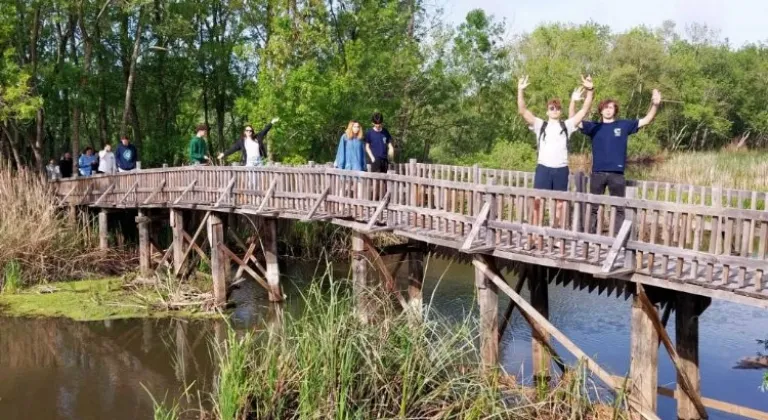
<point>380,165</point>
<point>547,178</point>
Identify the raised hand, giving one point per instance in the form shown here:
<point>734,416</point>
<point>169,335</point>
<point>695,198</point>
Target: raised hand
<point>656,97</point>
<point>275,120</point>
<point>587,82</point>
<point>522,83</point>
<point>576,96</point>
<point>221,156</point>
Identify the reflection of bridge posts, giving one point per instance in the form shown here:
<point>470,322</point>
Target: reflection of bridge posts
<point>269,238</point>
<point>360,276</point>
<point>415,281</point>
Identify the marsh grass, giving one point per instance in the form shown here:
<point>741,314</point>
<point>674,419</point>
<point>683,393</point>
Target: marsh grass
<point>325,363</point>
<point>42,239</point>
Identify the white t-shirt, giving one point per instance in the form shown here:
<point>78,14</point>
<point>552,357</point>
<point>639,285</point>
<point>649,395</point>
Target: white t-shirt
<point>252,151</point>
<point>553,146</point>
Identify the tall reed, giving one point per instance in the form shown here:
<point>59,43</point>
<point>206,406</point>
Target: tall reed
<point>38,236</point>
<point>324,363</point>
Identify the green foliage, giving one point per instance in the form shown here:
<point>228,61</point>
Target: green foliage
<point>11,277</point>
<point>446,91</point>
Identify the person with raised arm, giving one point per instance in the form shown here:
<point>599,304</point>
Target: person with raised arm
<point>610,137</point>
<point>552,141</point>
<point>251,146</point>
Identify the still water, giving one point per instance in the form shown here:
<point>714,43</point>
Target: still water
<point>60,369</point>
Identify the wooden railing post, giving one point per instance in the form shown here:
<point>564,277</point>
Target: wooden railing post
<point>630,214</point>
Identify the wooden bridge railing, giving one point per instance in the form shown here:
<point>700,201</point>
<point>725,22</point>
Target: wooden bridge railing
<point>717,248</point>
<point>653,190</point>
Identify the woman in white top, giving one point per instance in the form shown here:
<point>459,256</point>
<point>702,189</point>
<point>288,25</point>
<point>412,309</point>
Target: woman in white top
<point>251,145</point>
<point>107,163</point>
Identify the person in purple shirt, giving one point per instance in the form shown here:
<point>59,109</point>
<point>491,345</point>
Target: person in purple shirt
<point>609,151</point>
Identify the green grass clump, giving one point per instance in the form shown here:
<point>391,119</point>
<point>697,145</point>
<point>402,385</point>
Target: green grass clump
<point>11,281</point>
<point>326,363</point>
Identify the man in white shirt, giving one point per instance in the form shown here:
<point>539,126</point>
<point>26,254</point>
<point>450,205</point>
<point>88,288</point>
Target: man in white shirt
<point>552,141</point>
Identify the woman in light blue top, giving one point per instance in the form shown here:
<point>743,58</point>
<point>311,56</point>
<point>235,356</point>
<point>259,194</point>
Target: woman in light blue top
<point>86,161</point>
<point>351,152</point>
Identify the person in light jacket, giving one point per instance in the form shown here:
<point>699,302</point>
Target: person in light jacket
<point>86,161</point>
<point>52,170</point>
<point>107,162</point>
<point>251,146</point>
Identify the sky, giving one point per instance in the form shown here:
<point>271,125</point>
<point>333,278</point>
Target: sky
<point>741,21</point>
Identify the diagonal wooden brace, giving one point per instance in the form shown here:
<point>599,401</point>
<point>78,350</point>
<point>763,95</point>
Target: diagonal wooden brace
<point>186,190</point>
<point>104,194</point>
<point>194,238</point>
<point>618,243</point>
<point>480,220</point>
<point>379,209</point>
<point>268,195</point>
<point>317,203</point>
<point>154,192</point>
<point>130,190</point>
<point>244,266</point>
<point>226,193</point>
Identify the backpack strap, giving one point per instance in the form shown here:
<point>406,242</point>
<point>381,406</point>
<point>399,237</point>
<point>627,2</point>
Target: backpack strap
<point>563,127</point>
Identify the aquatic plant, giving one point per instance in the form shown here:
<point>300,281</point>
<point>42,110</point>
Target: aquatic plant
<point>326,363</point>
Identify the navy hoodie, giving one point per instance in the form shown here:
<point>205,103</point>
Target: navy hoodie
<point>126,157</point>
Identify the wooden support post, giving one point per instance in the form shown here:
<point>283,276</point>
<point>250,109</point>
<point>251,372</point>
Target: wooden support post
<point>689,308</point>
<point>218,259</point>
<point>488,299</point>
<point>145,252</point>
<point>360,275</point>
<point>269,238</point>
<point>177,230</point>
<point>644,357</point>
<point>415,281</point>
<point>539,289</point>
<point>103,230</point>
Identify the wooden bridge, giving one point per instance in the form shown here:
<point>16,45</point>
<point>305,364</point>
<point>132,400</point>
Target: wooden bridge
<point>677,247</point>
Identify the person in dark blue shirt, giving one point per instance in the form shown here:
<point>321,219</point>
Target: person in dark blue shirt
<point>378,144</point>
<point>126,156</point>
<point>609,151</point>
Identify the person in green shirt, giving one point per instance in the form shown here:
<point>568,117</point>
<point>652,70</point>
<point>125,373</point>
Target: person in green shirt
<point>198,149</point>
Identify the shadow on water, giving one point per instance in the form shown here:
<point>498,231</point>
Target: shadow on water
<point>61,369</point>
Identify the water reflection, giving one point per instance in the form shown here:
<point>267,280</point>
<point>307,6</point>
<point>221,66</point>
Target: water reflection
<point>60,369</point>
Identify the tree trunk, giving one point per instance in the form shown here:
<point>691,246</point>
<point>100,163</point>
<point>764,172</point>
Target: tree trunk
<point>131,80</point>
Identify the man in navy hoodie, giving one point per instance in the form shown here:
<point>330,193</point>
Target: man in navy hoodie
<point>609,151</point>
<point>126,156</point>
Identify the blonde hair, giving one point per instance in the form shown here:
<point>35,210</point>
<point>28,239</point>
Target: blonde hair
<point>350,135</point>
